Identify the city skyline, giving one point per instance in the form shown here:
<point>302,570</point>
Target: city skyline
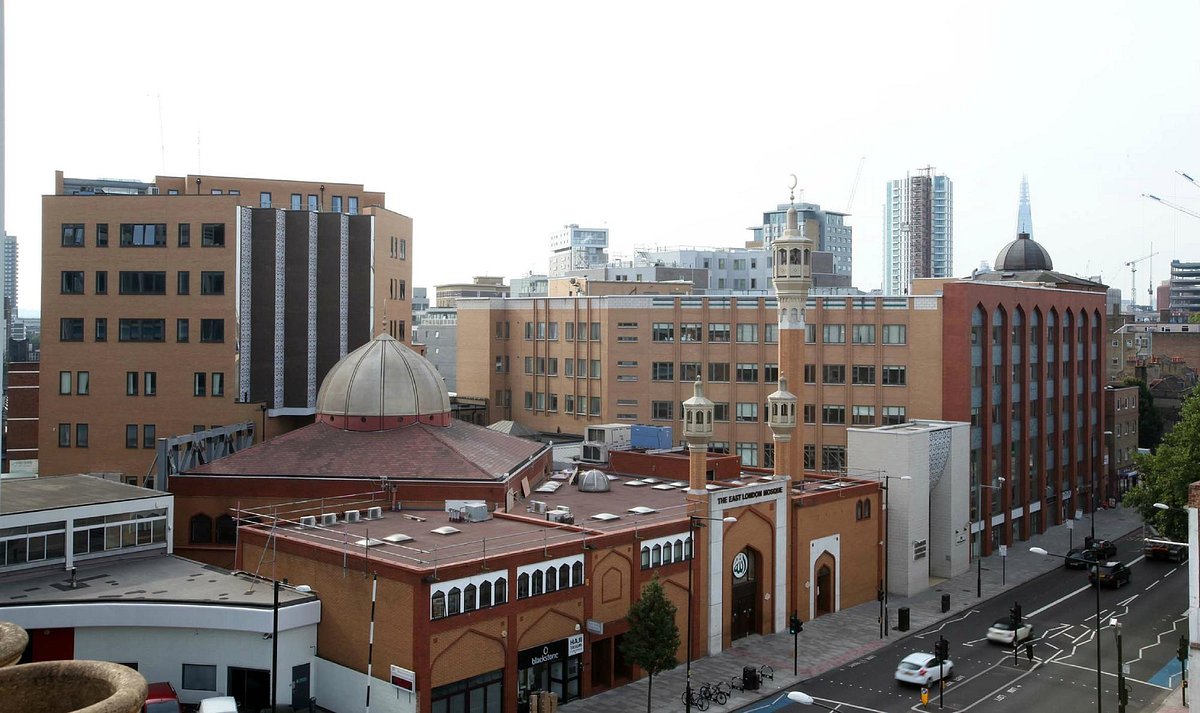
<point>630,162</point>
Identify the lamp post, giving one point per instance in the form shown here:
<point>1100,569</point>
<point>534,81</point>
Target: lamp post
<point>887,523</point>
<point>1099,672</point>
<point>806,700</point>
<point>1122,693</point>
<point>982,522</point>
<point>695,522</point>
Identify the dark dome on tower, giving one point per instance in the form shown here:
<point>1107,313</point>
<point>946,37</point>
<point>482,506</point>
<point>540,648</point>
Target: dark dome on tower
<point>1023,254</point>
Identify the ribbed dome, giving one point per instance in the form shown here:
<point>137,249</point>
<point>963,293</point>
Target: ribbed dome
<point>1024,253</point>
<point>381,385</point>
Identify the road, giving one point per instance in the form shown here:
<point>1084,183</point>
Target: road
<point>1061,678</point>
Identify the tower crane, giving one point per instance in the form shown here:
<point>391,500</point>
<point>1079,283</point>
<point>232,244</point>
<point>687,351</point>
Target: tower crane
<point>1169,204</point>
<point>854,188</point>
<point>1132,265</point>
<point>1189,178</point>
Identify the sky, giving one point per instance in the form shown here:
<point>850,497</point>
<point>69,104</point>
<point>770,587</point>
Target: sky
<point>670,123</point>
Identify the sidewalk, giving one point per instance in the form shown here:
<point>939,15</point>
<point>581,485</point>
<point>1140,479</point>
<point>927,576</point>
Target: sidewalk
<point>836,639</point>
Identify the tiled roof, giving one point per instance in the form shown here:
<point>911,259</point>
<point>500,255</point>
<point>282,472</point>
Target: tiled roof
<point>460,451</point>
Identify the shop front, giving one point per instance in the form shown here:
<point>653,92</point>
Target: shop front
<point>553,667</point>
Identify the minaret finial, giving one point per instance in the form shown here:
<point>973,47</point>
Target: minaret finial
<point>792,189</point>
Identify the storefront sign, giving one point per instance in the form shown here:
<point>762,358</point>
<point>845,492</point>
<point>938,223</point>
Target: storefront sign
<point>404,679</point>
<point>551,652</point>
<point>749,495</point>
<point>575,645</point>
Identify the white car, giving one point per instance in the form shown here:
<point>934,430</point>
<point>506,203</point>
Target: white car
<point>1002,632</point>
<point>923,669</point>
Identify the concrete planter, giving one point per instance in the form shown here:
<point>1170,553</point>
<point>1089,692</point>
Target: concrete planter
<point>71,686</point>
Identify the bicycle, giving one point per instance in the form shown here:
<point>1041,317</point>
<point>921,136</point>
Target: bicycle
<point>714,693</point>
<point>697,700</point>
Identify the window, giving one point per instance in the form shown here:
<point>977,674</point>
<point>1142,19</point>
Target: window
<point>264,201</point>
<point>895,334</point>
<point>718,332</point>
<point>199,380</point>
<point>142,283</point>
<point>689,371</point>
<point>862,374</point>
<point>691,332</point>
<point>595,335</point>
<point>64,435</point>
<point>64,382</point>
<point>833,457</point>
<point>71,282</point>
<point>594,406</point>
<point>148,433</point>
<point>83,383</point>
<point>212,283</point>
<point>771,333</point>
<point>212,330</point>
<point>335,204</point>
<point>595,372</point>
<point>721,411</point>
<point>893,415</point>
<point>101,235</point>
<point>662,410</point>
<point>864,334</point>
<point>835,334</point>
<point>181,330</point>
<point>718,371</point>
<point>833,414</point>
<point>747,333</point>
<point>198,677</point>
<point>141,330</point>
<point>81,435</point>
<point>352,207</point>
<point>834,374</point>
<point>748,452</point>
<point>662,371</point>
<point>102,282</point>
<point>150,382</point>
<point>143,235</point>
<point>212,235</point>
<point>862,416</point>
<point>747,412</point>
<point>184,282</point>
<point>312,202</point>
<point>185,234</point>
<point>663,332</point>
<point>72,235</point>
<point>70,329</point>
<point>131,435</point>
<point>747,373</point>
<point>810,413</point>
<point>893,376</point>
<point>810,456</point>
<point>770,373</point>
<point>131,383</point>
<point>101,329</point>
<point>810,373</point>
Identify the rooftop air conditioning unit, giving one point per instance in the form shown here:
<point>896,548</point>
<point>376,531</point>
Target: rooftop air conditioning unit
<point>353,516</point>
<point>561,516</point>
<point>476,513</point>
<point>329,519</point>
<point>374,513</point>
<point>308,521</point>
<point>537,506</point>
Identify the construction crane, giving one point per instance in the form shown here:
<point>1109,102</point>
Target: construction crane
<point>1132,265</point>
<point>854,188</point>
<point>1169,204</point>
<point>1190,179</point>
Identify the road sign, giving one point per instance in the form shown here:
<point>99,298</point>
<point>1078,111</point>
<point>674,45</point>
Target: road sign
<point>1070,524</point>
<point>1004,550</point>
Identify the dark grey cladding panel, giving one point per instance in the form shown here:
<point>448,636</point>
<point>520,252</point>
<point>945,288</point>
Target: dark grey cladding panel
<point>295,311</point>
<point>262,305</point>
<point>329,325</point>
<point>360,282</point>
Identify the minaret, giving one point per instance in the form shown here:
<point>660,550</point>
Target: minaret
<point>697,431</point>
<point>1024,215</point>
<point>781,417</point>
<point>792,255</point>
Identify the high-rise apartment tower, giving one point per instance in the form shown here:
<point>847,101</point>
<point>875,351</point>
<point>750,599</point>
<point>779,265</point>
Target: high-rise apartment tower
<point>918,230</point>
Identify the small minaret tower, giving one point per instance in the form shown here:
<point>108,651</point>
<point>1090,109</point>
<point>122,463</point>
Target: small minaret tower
<point>697,431</point>
<point>781,417</point>
<point>792,265</point>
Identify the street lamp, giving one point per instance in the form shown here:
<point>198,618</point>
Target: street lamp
<point>806,700</point>
<point>982,521</point>
<point>694,522</point>
<point>887,520</point>
<point>1099,672</point>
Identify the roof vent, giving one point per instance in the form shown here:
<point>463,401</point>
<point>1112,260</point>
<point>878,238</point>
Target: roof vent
<point>445,530</point>
<point>308,521</point>
<point>594,481</point>
<point>374,513</point>
<point>353,516</point>
<point>398,538</point>
<point>329,519</point>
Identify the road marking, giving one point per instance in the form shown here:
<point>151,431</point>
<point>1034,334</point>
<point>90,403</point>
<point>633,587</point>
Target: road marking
<point>782,701</point>
<point>1060,600</point>
<point>1151,585</point>
<point>989,696</point>
<point>1106,673</point>
<point>1159,637</point>
<point>922,635</point>
<point>1128,601</point>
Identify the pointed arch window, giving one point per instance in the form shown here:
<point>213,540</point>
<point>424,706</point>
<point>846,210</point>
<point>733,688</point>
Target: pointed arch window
<point>469,597</point>
<point>200,529</point>
<point>485,594</point>
<point>538,584</point>
<point>564,576</point>
<point>438,605</point>
<point>501,592</point>
<point>576,574</point>
<point>645,558</point>
<point>454,601</point>
<point>551,579</point>
<point>523,586</point>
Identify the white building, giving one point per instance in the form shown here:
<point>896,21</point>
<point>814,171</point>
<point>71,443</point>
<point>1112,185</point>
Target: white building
<point>575,248</point>
<point>918,230</point>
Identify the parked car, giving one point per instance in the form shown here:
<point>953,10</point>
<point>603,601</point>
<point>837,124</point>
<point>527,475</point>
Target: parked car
<point>1165,550</point>
<point>161,698</point>
<point>218,704</point>
<point>1002,632</point>
<point>923,669</point>
<point>1080,558</point>
<point>1104,549</point>
<point>1113,574</point>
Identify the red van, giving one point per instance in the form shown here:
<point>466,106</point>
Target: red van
<point>161,698</point>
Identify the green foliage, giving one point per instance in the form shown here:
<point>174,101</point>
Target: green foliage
<point>1166,474</point>
<point>1194,318</point>
<point>653,637</point>
<point>1150,423</point>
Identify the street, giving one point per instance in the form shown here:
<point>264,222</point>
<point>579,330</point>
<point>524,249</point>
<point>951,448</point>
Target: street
<point>1062,676</point>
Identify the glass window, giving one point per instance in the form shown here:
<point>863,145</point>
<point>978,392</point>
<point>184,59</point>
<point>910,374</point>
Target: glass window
<point>771,333</point>
<point>748,452</point>
<point>264,201</point>
<point>218,383</point>
<point>150,382</point>
<point>747,372</point>
<point>81,435</point>
<point>747,333</point>
<point>663,332</point>
<point>142,283</point>
<point>835,334</point>
<point>864,334</point>
<point>691,332</point>
<point>185,235</point>
<point>833,414</point>
<point>335,204</point>
<point>863,374</point>
<point>770,373</point>
<point>834,374</point>
<point>64,435</point>
<point>352,205</point>
<point>83,383</point>
<point>747,412</point>
<point>70,329</point>
<point>148,435</point>
<point>199,380</point>
<point>212,283</point>
<point>893,415</point>
<point>184,282</point>
<point>312,202</point>
<point>141,330</point>
<point>101,329</point>
<point>895,334</point>
<point>833,457</point>
<point>718,332</point>
<point>863,416</point>
<point>72,235</point>
<point>143,235</point>
<point>893,376</point>
<point>212,235</point>
<point>102,282</point>
<point>718,371</point>
<point>131,383</point>
<point>198,677</point>
<point>662,410</point>
<point>662,371</point>
<point>101,235</point>
<point>181,330</point>
<point>71,282</point>
<point>212,330</point>
<point>131,435</point>
<point>64,382</point>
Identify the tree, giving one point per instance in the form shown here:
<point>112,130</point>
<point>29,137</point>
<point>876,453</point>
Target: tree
<point>1150,424</point>
<point>1194,318</point>
<point>653,638</point>
<point>1165,474</point>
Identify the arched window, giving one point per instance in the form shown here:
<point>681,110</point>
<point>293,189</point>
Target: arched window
<point>551,579</point>
<point>538,582</point>
<point>577,574</point>
<point>687,547</point>
<point>501,591</point>
<point>523,585</point>
<point>485,595</point>
<point>678,550</point>
<point>438,605</point>
<point>866,508</point>
<point>469,593</point>
<point>226,530</point>
<point>656,556</point>
<point>782,259</point>
<point>858,510</point>
<point>200,529</point>
<point>794,257</point>
<point>454,601</point>
<point>645,558</point>
<point>564,576</point>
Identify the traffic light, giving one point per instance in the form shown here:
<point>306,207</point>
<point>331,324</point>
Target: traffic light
<point>1014,616</point>
<point>1182,653</point>
<point>941,648</point>
<point>795,626</point>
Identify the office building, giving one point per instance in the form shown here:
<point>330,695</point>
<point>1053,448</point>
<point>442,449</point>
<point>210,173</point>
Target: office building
<point>529,285</point>
<point>11,275</point>
<point>447,296</point>
<point>827,229</point>
<point>1184,290</point>
<point>438,333</point>
<point>918,230</point>
<point>202,301</point>
<point>575,248</point>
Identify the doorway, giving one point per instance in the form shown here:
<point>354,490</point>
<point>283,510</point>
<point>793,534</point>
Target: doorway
<point>300,678</point>
<point>251,687</point>
<point>744,616</point>
<point>824,590</point>
<point>602,668</point>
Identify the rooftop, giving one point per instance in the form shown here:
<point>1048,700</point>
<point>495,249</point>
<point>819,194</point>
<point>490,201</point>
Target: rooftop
<point>64,491</point>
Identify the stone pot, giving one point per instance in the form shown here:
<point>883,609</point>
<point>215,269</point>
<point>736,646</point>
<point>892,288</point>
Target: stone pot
<point>71,687</point>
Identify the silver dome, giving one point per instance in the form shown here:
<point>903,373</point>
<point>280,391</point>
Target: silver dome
<point>594,481</point>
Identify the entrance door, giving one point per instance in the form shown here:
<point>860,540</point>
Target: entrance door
<point>824,590</point>
<point>300,694</point>
<point>602,673</point>
<point>251,687</point>
<point>745,611</point>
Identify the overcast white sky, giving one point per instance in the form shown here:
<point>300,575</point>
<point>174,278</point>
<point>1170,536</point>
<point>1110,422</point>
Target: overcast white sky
<point>492,124</point>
